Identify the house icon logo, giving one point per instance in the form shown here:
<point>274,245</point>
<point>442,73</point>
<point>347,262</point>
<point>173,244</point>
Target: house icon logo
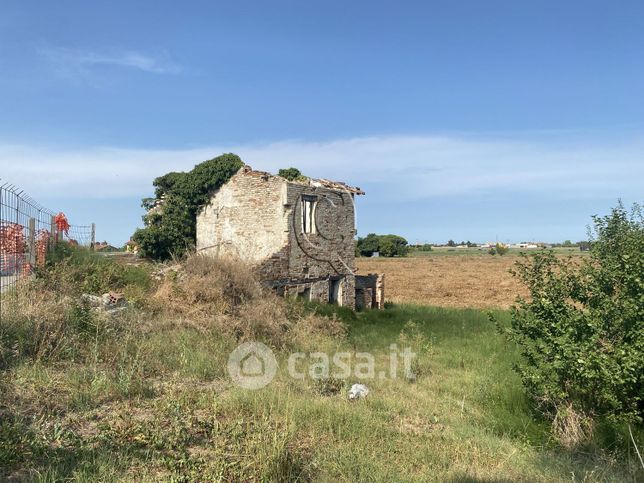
<point>252,365</point>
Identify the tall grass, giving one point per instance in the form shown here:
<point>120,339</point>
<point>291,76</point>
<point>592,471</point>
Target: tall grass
<point>144,395</point>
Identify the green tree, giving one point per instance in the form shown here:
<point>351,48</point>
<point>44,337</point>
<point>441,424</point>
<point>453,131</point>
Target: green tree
<point>580,332</point>
<point>170,224</point>
<point>393,246</point>
<point>386,245</point>
<point>368,245</point>
<point>387,248</point>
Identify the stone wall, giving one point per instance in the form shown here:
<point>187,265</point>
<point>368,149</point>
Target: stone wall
<point>370,291</point>
<point>320,290</point>
<point>330,251</point>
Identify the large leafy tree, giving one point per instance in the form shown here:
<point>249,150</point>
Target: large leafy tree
<point>386,245</point>
<point>170,224</point>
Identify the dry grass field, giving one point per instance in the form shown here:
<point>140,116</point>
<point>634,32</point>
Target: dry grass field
<point>454,281</point>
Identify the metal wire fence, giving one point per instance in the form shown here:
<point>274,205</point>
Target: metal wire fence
<point>28,233</point>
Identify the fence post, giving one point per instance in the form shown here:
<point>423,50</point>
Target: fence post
<point>93,240</point>
<point>31,243</point>
<point>54,236</point>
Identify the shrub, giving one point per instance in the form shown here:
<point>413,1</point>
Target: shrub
<point>291,174</point>
<point>45,326</point>
<point>224,294</point>
<point>580,333</point>
<point>74,271</point>
<point>48,319</point>
<point>207,288</point>
<point>170,224</point>
<point>328,386</point>
<point>498,249</point>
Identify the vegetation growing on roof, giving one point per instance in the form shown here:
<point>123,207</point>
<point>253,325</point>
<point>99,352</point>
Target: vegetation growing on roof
<point>170,224</point>
<point>292,174</point>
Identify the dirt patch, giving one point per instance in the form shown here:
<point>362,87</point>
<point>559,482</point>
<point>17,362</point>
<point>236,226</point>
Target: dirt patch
<point>476,282</point>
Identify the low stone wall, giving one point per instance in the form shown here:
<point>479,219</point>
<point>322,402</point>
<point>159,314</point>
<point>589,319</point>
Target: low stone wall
<point>318,289</point>
<point>370,291</point>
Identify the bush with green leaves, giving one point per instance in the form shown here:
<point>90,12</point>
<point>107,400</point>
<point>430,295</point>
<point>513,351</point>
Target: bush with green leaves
<point>368,245</point>
<point>73,271</point>
<point>386,245</point>
<point>291,174</point>
<point>498,249</point>
<point>171,222</point>
<point>393,246</point>
<point>581,331</point>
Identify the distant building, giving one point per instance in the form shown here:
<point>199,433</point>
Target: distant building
<point>131,247</point>
<point>525,245</point>
<point>104,247</point>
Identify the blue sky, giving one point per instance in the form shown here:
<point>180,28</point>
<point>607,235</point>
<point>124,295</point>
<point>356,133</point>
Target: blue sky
<point>464,120</point>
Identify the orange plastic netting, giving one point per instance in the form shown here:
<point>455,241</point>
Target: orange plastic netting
<point>62,225</point>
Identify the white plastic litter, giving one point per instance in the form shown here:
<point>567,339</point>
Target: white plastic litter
<point>109,303</point>
<point>358,391</point>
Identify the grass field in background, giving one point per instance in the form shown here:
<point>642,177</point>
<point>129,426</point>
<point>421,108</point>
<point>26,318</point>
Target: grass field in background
<point>483,252</point>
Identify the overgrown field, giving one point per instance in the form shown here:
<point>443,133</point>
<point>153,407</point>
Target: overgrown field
<point>144,394</point>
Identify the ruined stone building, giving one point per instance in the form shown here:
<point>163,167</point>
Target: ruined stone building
<point>300,235</point>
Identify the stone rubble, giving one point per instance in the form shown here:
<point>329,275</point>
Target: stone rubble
<point>109,303</point>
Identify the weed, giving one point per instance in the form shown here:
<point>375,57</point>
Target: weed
<point>328,386</point>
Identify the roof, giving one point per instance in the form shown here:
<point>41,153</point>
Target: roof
<point>335,185</point>
<point>317,182</point>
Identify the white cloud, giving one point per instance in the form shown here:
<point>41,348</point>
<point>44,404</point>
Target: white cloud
<point>74,62</point>
<point>403,167</point>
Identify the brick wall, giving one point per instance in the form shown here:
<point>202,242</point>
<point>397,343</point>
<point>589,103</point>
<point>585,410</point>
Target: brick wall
<point>246,218</point>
